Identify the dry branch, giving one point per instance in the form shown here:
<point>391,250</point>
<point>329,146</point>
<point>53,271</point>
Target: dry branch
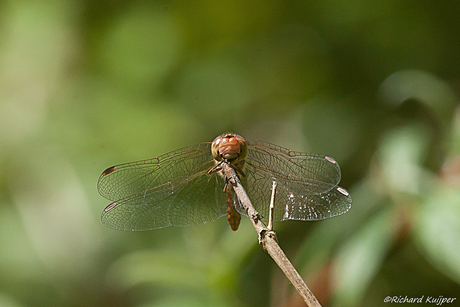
<point>267,238</point>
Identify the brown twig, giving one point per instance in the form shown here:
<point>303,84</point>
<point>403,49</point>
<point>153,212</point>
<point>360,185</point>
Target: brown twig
<point>267,238</point>
<point>272,207</point>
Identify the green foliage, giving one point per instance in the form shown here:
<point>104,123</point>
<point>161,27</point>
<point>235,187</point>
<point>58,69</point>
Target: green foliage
<point>86,85</point>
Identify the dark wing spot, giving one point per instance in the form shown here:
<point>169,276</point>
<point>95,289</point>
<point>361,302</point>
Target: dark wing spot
<point>108,171</point>
<point>110,207</point>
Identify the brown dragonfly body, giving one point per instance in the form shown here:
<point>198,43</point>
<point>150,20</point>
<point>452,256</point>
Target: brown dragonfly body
<point>230,148</point>
<point>188,187</point>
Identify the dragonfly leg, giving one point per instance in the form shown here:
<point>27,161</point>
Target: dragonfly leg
<point>239,167</point>
<point>218,167</point>
<point>215,168</point>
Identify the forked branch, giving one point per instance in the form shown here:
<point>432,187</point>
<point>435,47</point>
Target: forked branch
<point>267,238</point>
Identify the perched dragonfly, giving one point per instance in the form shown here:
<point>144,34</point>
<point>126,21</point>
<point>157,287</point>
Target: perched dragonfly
<point>188,187</point>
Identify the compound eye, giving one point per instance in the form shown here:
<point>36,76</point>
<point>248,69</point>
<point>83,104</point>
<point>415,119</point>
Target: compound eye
<point>215,147</point>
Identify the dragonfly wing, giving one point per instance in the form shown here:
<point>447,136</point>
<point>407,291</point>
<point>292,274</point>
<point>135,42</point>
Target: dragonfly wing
<point>197,200</point>
<point>128,179</point>
<point>290,202</point>
<point>192,205</point>
<point>306,183</point>
<point>141,211</point>
<point>315,173</point>
<point>312,207</point>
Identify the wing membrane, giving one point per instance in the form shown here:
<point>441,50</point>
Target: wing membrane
<point>291,200</point>
<point>307,183</point>
<point>127,179</point>
<point>313,172</point>
<point>197,200</point>
<point>171,190</point>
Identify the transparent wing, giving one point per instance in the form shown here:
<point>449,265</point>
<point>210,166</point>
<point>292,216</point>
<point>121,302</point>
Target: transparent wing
<point>197,200</point>
<point>307,183</point>
<point>293,204</point>
<point>313,172</point>
<point>127,179</point>
<point>171,190</point>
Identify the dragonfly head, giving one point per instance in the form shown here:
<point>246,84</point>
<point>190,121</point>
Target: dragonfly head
<point>229,147</point>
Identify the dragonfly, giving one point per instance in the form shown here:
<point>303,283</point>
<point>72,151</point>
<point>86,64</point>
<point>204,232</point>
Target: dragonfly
<point>188,187</point>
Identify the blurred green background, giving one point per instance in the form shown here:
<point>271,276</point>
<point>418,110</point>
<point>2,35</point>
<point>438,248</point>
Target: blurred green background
<point>89,84</point>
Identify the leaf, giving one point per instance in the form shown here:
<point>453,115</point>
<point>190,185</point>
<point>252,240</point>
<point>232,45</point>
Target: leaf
<point>437,230</point>
<point>328,234</point>
<point>361,258</point>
